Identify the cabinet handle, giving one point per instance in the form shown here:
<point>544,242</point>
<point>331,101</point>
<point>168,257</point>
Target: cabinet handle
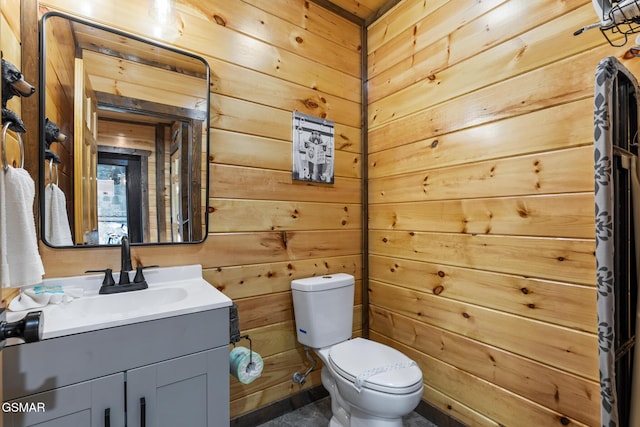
<point>107,417</point>
<point>143,412</point>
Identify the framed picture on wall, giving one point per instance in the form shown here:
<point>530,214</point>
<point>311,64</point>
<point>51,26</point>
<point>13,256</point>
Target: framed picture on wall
<point>313,149</point>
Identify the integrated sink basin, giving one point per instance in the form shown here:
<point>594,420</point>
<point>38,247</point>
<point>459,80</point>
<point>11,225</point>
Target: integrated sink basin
<point>128,302</point>
<point>172,291</point>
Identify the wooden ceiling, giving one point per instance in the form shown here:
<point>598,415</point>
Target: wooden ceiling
<point>366,10</point>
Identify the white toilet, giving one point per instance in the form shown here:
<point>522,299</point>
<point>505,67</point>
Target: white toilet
<point>370,384</point>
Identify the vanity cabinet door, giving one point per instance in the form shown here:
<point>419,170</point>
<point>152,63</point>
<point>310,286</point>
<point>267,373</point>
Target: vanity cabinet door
<point>95,403</point>
<point>187,391</point>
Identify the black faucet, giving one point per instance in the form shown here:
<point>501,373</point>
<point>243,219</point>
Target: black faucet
<point>124,284</point>
<point>125,261</point>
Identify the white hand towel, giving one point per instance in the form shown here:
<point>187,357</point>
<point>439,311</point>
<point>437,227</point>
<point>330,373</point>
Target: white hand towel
<point>39,296</point>
<point>20,262</point>
<point>57,230</point>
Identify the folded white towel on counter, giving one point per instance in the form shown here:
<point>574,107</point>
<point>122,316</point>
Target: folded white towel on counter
<point>41,295</point>
<point>20,262</point>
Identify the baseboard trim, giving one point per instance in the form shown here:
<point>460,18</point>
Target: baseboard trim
<point>298,400</point>
<point>437,415</point>
<point>280,407</point>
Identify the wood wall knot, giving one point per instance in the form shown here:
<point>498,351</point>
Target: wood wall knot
<point>310,103</point>
<point>435,143</point>
<point>220,20</point>
<point>299,39</point>
<point>438,290</point>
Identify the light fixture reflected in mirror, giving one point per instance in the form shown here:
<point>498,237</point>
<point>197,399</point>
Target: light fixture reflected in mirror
<point>163,13</point>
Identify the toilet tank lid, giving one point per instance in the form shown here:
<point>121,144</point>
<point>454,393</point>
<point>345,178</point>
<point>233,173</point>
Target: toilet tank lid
<point>323,283</point>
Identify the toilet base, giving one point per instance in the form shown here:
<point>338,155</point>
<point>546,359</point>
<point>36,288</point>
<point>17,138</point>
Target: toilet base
<point>347,415</point>
<point>362,419</point>
<point>340,416</point>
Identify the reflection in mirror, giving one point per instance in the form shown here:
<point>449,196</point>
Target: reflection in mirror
<point>133,120</point>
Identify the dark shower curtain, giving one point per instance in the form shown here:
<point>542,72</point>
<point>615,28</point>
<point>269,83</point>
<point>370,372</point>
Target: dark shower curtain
<point>615,154</point>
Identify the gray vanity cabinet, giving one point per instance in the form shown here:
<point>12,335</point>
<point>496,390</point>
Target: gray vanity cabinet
<point>168,393</point>
<point>166,372</point>
<point>95,403</point>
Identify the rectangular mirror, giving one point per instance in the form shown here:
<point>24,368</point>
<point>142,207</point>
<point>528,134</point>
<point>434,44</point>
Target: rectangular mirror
<point>125,137</point>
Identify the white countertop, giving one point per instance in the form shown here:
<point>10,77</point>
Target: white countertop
<point>172,291</point>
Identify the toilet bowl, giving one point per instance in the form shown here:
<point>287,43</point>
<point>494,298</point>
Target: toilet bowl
<point>392,389</point>
<point>370,384</point>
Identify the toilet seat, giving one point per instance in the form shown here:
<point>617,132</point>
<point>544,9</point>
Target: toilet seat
<point>390,371</point>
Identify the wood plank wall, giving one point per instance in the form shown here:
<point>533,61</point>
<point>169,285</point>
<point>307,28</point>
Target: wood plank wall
<point>267,59</point>
<point>59,98</point>
<point>481,228</point>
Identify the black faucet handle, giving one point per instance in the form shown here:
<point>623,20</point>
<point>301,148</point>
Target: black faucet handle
<point>139,276</point>
<point>139,279</point>
<point>108,276</point>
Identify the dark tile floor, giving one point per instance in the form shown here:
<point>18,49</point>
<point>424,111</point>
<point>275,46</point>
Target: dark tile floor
<point>318,414</point>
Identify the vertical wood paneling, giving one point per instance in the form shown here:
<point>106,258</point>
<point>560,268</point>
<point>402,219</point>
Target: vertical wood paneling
<point>267,60</point>
<point>480,142</point>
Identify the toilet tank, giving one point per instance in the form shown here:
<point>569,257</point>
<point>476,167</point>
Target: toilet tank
<point>323,308</point>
